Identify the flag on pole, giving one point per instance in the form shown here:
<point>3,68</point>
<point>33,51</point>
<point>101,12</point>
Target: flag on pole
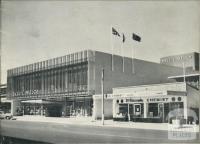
<point>123,38</point>
<point>136,37</point>
<point>122,51</point>
<point>115,32</point>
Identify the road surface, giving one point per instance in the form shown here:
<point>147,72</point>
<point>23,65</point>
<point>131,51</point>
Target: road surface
<point>70,133</point>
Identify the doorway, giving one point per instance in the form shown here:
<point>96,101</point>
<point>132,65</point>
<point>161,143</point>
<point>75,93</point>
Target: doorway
<point>137,109</point>
<point>161,111</point>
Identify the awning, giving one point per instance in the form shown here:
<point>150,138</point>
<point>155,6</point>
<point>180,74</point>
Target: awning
<point>37,102</point>
<point>5,100</point>
<point>187,75</point>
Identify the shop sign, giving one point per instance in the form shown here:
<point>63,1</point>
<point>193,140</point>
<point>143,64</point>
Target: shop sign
<point>31,92</point>
<point>117,95</point>
<point>157,99</point>
<point>134,100</point>
<point>142,94</point>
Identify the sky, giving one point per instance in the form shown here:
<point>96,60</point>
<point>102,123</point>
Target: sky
<point>33,31</point>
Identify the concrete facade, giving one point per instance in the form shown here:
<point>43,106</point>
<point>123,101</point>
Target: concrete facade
<point>156,93</point>
<point>190,64</point>
<point>190,61</point>
<point>74,78</point>
<point>155,102</point>
<point>144,72</point>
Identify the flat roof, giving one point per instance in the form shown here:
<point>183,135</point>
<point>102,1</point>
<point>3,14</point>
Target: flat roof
<point>187,75</point>
<point>37,101</point>
<point>181,54</point>
<point>147,85</point>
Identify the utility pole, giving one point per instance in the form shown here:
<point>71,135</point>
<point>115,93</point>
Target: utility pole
<point>0,49</point>
<point>184,72</point>
<point>102,89</point>
<point>199,92</point>
<point>0,39</point>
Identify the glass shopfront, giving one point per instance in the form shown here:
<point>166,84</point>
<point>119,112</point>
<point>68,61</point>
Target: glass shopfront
<point>31,109</point>
<point>78,107</point>
<point>147,109</point>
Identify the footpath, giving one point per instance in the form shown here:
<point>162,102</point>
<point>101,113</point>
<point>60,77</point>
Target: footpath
<point>107,123</point>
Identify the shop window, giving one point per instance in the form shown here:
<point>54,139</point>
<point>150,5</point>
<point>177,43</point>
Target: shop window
<point>123,109</point>
<point>153,109</point>
<point>176,105</point>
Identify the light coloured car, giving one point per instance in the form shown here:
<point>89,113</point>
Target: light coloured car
<point>5,115</point>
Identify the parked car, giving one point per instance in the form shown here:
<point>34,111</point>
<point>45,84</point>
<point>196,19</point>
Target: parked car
<point>5,115</point>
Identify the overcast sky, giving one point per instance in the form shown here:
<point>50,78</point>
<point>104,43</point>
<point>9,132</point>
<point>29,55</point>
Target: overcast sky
<point>39,30</point>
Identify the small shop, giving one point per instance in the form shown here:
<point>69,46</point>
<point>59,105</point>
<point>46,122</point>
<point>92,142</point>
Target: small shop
<point>150,103</point>
<point>146,108</point>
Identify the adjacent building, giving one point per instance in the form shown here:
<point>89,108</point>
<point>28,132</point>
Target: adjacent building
<point>190,63</point>
<point>5,104</point>
<point>65,85</point>
<point>150,103</point>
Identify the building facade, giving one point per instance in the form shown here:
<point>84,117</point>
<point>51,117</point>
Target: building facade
<point>5,105</point>
<point>65,85</point>
<point>189,60</point>
<point>150,103</point>
<point>190,63</point>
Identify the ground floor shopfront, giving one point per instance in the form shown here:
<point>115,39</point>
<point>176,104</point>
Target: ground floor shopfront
<point>68,106</point>
<point>124,107</point>
<point>149,103</point>
<point>148,109</point>
<point>5,105</point>
<point>81,106</point>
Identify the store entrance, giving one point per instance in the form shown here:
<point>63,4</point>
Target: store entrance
<point>78,107</point>
<point>31,109</point>
<point>161,111</point>
<point>132,110</point>
<point>137,109</point>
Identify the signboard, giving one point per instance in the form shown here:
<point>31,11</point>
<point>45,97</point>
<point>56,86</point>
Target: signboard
<point>31,92</point>
<point>133,100</point>
<point>157,99</point>
<point>142,94</point>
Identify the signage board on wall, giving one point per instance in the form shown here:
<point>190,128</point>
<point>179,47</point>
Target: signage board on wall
<point>133,100</point>
<point>157,99</point>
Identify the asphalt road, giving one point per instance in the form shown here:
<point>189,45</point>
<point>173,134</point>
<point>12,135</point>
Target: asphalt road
<point>68,133</point>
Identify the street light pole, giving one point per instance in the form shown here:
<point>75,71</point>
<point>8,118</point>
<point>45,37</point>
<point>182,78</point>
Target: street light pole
<point>184,72</point>
<point>102,88</point>
<point>199,92</point>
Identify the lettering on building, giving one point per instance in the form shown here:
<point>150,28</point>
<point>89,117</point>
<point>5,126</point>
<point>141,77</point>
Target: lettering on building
<point>157,99</point>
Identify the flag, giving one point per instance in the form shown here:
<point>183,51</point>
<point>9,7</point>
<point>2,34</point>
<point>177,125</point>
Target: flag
<point>123,38</point>
<point>114,32</point>
<point>136,37</point>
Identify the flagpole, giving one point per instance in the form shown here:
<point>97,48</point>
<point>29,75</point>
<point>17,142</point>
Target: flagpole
<point>183,72</point>
<point>122,53</point>
<point>111,43</point>
<point>102,91</point>
<point>133,69</point>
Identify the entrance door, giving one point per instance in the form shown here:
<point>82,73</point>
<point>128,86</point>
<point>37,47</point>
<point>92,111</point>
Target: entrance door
<point>137,109</point>
<point>161,111</point>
